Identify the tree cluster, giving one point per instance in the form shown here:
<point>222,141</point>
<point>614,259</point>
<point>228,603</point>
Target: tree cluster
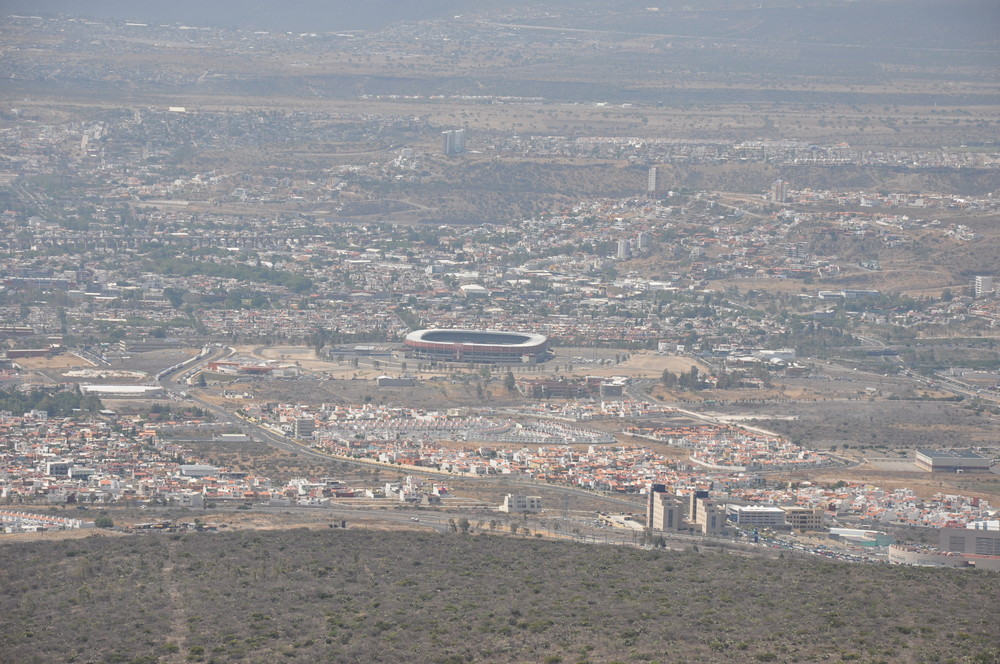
<point>296,283</point>
<point>56,403</point>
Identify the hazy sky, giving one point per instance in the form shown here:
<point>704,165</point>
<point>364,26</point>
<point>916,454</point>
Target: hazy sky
<point>317,15</point>
<point>949,24</point>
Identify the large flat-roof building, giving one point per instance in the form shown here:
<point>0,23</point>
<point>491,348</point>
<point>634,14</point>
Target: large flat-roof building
<point>804,518</point>
<point>977,545</point>
<point>513,504</point>
<point>952,461</point>
<point>759,516</point>
<point>123,391</point>
<point>977,541</point>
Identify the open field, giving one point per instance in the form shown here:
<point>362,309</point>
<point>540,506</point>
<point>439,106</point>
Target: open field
<point>922,483</point>
<point>649,365</point>
<point>366,596</point>
<point>304,357</point>
<point>61,361</point>
<point>153,362</point>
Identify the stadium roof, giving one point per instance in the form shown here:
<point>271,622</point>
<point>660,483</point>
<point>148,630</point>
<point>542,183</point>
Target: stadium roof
<point>477,337</point>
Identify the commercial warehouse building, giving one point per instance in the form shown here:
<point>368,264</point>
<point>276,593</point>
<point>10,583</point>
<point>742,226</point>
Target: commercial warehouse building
<point>977,545</point>
<point>952,461</point>
<point>979,541</point>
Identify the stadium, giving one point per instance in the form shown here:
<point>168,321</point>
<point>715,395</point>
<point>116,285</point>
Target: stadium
<point>477,346</point>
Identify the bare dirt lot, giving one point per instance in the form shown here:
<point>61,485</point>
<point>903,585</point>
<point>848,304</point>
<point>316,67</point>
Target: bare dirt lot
<point>153,362</point>
<point>923,484</point>
<point>603,362</point>
<point>59,535</point>
<point>61,361</point>
<point>888,431</point>
<point>877,424</point>
<point>299,355</point>
<point>650,365</point>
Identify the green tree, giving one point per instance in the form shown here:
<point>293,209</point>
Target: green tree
<point>691,380</point>
<point>175,295</point>
<point>669,378</point>
<point>104,521</point>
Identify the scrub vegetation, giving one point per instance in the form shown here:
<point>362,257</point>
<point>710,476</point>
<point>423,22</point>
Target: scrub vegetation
<point>356,596</point>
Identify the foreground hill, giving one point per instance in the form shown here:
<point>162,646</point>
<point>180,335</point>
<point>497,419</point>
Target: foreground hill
<point>353,596</point>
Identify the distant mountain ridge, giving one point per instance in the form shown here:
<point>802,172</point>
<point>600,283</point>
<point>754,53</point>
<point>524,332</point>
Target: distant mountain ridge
<point>954,24</point>
<point>295,15</point>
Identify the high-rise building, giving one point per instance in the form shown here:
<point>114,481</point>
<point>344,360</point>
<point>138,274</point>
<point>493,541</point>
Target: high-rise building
<point>779,191</point>
<point>453,141</point>
<point>303,427</point>
<point>653,180</point>
<point>650,498</point>
<point>710,517</point>
<point>664,511</point>
<point>982,286</point>
<point>624,249</point>
<point>693,498</point>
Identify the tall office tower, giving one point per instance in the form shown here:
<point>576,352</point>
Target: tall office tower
<point>624,249</point>
<point>709,516</point>
<point>303,427</point>
<point>982,286</point>
<point>650,497</point>
<point>693,498</point>
<point>779,191</point>
<point>652,181</point>
<point>664,511</point>
<point>453,141</point>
